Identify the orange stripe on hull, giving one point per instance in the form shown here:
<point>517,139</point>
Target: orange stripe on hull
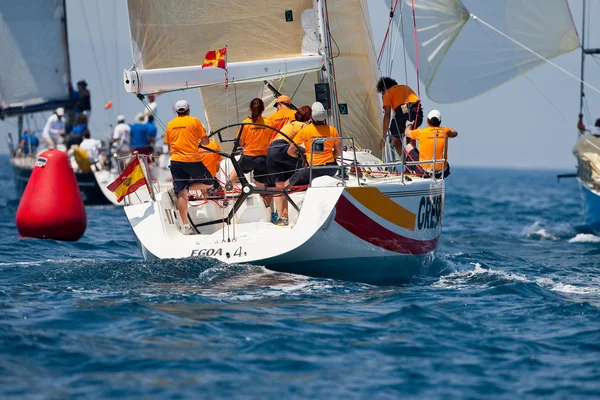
<point>388,209</point>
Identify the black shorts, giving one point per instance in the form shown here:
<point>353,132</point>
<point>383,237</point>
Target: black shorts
<point>258,164</point>
<point>301,177</point>
<point>186,173</point>
<point>398,124</point>
<point>280,164</point>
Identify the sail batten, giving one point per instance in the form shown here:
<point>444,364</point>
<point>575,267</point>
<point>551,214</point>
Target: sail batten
<point>34,70</point>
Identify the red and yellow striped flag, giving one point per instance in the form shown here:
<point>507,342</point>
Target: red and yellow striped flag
<point>215,59</point>
<point>130,180</point>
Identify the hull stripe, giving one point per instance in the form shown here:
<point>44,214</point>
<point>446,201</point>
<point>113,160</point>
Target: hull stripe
<point>378,203</point>
<point>356,222</point>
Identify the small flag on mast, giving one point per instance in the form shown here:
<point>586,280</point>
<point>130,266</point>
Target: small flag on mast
<point>130,180</point>
<point>216,59</point>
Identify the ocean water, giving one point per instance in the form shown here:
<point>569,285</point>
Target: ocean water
<point>513,311</point>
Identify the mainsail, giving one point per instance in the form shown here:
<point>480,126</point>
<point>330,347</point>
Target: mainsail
<point>178,34</point>
<point>460,56</point>
<point>34,66</point>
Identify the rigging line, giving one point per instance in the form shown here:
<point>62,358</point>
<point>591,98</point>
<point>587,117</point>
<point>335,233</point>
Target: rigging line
<point>403,42</point>
<point>392,11</point>
<point>395,42</point>
<point>87,25</point>
<point>416,50</point>
<point>476,18</point>
<point>116,47</point>
<point>524,73</point>
<point>103,47</point>
<point>298,87</point>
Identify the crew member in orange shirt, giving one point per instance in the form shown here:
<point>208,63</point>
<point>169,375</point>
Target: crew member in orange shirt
<point>255,141</point>
<point>189,173</point>
<point>283,115</point>
<point>432,140</point>
<point>306,136</point>
<point>211,162</point>
<point>406,105</point>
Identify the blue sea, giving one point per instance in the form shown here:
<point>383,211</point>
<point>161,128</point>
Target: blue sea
<point>512,312</point>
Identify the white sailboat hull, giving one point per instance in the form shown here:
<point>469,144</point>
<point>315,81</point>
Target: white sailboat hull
<point>383,233</point>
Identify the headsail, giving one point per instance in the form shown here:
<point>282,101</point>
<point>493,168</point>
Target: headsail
<point>34,66</point>
<point>459,58</point>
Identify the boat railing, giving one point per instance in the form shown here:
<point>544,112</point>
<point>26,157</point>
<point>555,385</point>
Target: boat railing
<point>318,146</point>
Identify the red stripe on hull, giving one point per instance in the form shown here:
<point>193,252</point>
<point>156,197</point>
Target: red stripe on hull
<point>356,222</point>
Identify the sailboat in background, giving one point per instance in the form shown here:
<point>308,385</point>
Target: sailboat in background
<point>35,76</point>
<point>587,147</point>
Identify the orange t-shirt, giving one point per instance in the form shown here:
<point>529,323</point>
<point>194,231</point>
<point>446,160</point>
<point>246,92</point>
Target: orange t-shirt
<point>309,133</point>
<point>428,137</point>
<point>280,118</point>
<point>256,138</point>
<point>183,136</point>
<point>398,95</point>
<point>211,160</point>
<point>291,130</point>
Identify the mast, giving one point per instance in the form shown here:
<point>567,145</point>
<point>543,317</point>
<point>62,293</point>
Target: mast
<point>581,87</point>
<point>66,41</point>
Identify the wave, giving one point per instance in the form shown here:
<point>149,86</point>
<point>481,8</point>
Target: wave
<point>478,276</point>
<point>585,238</point>
<point>536,232</point>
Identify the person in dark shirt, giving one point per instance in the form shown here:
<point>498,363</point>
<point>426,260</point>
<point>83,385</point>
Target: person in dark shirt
<point>29,143</point>
<point>139,134</point>
<point>151,134</point>
<point>79,128</point>
<point>82,98</point>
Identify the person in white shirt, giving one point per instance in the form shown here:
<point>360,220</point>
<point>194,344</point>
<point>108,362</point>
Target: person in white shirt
<point>91,146</point>
<point>54,128</point>
<point>594,130</point>
<point>153,106</point>
<point>121,139</point>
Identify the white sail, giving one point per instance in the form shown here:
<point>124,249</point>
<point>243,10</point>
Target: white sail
<point>265,39</point>
<point>460,58</point>
<point>34,67</point>
<point>356,71</point>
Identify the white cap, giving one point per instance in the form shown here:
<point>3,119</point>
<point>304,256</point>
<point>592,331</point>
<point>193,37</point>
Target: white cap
<point>318,112</point>
<point>182,106</point>
<point>434,114</point>
<point>60,112</point>
<point>140,117</point>
<point>121,118</point>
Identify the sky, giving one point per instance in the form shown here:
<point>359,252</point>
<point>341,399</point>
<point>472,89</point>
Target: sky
<point>511,126</point>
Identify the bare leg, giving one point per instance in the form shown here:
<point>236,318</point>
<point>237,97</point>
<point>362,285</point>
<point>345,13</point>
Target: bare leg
<point>182,205</point>
<point>281,203</point>
<point>397,143</point>
<point>233,177</point>
<point>199,187</point>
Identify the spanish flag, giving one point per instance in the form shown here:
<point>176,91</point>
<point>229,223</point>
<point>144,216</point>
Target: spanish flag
<point>129,181</point>
<point>216,59</point>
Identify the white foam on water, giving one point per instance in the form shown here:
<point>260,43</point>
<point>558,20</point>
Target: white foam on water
<point>585,238</point>
<point>543,234</point>
<point>467,278</point>
<point>535,231</point>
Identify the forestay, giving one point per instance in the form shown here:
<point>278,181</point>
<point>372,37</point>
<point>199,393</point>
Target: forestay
<point>34,66</point>
<point>460,58</point>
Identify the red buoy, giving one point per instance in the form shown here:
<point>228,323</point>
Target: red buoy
<point>51,206</point>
